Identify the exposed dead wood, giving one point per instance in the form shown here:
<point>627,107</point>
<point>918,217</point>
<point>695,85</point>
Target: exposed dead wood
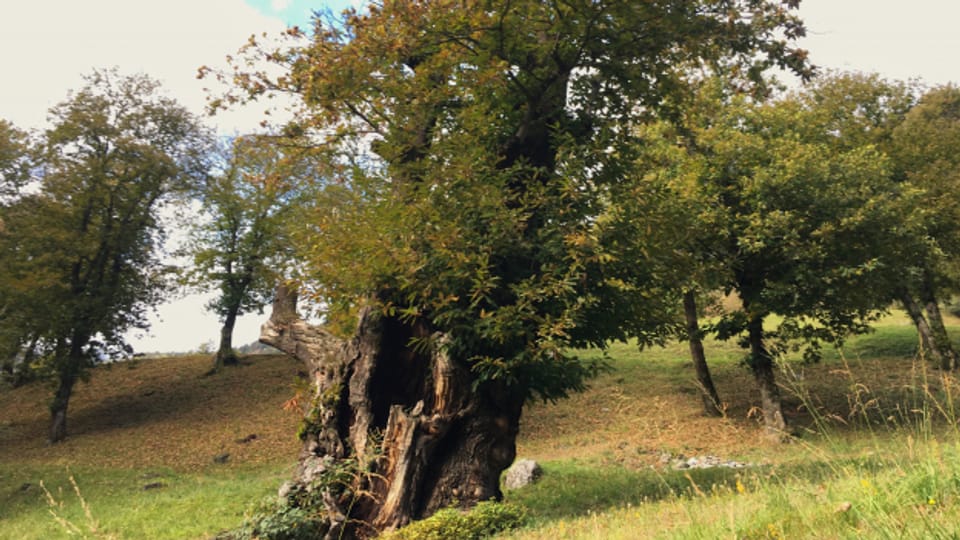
<point>408,423</point>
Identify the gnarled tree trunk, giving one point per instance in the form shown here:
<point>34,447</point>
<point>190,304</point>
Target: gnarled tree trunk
<point>394,432</point>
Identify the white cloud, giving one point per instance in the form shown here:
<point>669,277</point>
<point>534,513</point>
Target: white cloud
<point>46,45</point>
<point>279,5</point>
<point>899,40</point>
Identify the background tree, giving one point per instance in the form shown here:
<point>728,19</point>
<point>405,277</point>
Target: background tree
<point>467,239</point>
<point>663,223</point>
<point>14,160</point>
<point>924,149</point>
<point>795,224</point>
<point>239,248</point>
<point>15,163</point>
<point>80,251</point>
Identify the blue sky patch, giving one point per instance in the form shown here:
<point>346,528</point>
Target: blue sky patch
<point>297,12</point>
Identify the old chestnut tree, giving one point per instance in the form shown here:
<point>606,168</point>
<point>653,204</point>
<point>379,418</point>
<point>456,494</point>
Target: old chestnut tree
<point>468,153</point>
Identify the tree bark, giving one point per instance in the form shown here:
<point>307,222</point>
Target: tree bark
<point>708,392</point>
<point>941,339</point>
<point>58,408</point>
<point>761,362</point>
<point>928,346</point>
<point>225,355</point>
<point>403,427</point>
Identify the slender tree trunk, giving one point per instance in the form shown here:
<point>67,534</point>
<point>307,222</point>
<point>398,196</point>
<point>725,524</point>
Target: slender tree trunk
<point>941,339</point>
<point>58,408</point>
<point>225,355</point>
<point>761,362</point>
<point>928,346</point>
<point>404,428</point>
<point>708,392</point>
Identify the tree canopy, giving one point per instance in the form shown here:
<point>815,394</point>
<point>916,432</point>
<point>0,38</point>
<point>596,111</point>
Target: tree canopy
<point>468,154</point>
<point>923,148</point>
<point>495,133</point>
<point>794,222</point>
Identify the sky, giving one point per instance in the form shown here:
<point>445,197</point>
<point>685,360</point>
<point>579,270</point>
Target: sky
<point>47,45</point>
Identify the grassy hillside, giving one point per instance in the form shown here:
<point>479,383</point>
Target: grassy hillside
<point>160,412</point>
<point>875,433</point>
<point>143,438</point>
<point>876,454</point>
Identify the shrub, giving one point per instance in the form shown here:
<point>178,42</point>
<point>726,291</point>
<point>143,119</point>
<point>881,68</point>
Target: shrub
<point>279,521</point>
<point>484,520</point>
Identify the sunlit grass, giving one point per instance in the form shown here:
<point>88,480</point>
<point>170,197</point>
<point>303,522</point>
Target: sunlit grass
<point>877,457</point>
<point>915,494</point>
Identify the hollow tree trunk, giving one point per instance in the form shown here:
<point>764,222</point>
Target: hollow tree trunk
<point>928,346</point>
<point>761,363</point>
<point>404,427</point>
<point>941,340</point>
<point>708,392</point>
<point>225,355</point>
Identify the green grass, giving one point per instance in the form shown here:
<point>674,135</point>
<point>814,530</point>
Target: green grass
<point>177,506</point>
<point>156,421</point>
<point>877,455</point>
<point>914,495</point>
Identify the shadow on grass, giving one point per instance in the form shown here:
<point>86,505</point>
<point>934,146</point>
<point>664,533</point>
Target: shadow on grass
<point>569,490</point>
<point>195,398</point>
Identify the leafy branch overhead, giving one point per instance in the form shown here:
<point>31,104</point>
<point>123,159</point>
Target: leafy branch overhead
<point>467,149</point>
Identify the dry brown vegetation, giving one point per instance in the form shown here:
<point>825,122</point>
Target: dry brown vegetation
<point>160,412</point>
<point>165,412</point>
<point>649,404</point>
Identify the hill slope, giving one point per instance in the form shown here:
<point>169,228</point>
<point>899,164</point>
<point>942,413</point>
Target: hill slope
<point>161,421</point>
<point>160,412</point>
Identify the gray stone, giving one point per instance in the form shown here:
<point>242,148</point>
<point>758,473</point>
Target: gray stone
<point>523,472</point>
<point>681,462</point>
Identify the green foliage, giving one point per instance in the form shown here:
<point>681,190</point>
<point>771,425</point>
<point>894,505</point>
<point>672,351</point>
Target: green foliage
<point>78,253</point>
<point>279,521</point>
<point>786,207</point>
<point>922,147</point>
<point>483,521</point>
<point>15,161</point>
<point>239,244</point>
<point>298,514</point>
<point>469,154</point>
